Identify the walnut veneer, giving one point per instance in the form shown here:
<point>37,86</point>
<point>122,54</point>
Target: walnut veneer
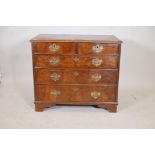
<point>76,70</point>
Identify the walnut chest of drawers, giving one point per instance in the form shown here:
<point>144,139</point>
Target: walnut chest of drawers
<point>76,70</point>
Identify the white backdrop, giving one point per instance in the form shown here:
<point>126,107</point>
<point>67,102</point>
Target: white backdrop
<point>137,59</point>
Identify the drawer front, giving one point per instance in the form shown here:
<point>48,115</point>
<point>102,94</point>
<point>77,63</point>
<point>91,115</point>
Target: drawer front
<point>75,76</point>
<point>53,48</point>
<point>76,93</point>
<point>95,48</point>
<point>56,61</point>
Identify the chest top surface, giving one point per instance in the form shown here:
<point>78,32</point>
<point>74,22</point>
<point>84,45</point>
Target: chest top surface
<point>75,38</point>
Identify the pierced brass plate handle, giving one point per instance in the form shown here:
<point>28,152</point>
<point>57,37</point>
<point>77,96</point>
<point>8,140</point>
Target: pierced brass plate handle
<point>96,77</point>
<point>55,92</point>
<point>55,76</point>
<point>54,47</point>
<point>97,48</point>
<point>96,62</point>
<point>95,94</point>
<point>54,61</point>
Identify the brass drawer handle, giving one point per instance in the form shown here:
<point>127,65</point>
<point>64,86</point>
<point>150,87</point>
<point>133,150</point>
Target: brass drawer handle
<point>95,94</point>
<point>55,76</point>
<point>54,47</point>
<point>96,77</point>
<point>55,92</point>
<point>96,62</point>
<point>54,61</point>
<point>97,48</point>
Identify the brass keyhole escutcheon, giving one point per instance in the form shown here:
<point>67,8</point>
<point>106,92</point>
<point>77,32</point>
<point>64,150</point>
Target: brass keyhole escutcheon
<point>75,73</point>
<point>76,59</point>
<point>97,48</point>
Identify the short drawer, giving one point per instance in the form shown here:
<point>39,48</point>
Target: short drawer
<point>97,48</point>
<point>67,61</point>
<point>75,93</point>
<point>75,76</point>
<point>53,48</point>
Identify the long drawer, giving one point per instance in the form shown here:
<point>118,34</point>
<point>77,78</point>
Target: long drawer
<point>75,93</point>
<point>71,61</point>
<point>75,76</point>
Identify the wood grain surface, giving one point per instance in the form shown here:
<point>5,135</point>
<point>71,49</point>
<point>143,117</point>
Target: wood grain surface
<point>79,70</point>
<point>67,61</point>
<point>75,76</point>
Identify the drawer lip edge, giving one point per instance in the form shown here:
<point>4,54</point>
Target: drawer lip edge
<point>98,85</point>
<point>90,68</point>
<point>47,101</point>
<point>73,54</point>
<point>68,68</point>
